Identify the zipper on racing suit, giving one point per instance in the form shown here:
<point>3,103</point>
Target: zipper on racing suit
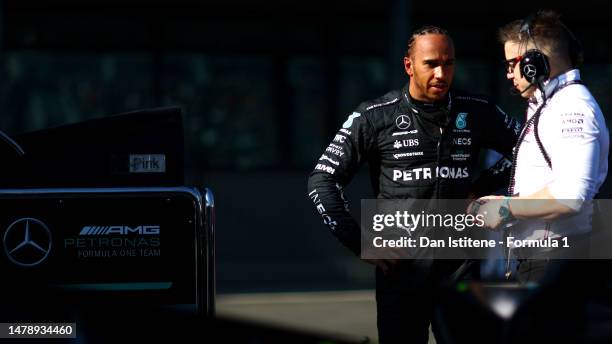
<point>438,157</point>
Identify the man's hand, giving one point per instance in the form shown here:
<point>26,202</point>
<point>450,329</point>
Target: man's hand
<point>387,259</point>
<point>488,207</point>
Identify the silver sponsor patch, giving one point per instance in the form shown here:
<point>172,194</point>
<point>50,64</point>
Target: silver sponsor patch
<point>339,138</point>
<point>462,141</point>
<point>335,150</point>
<point>460,156</point>
<point>399,133</point>
<point>407,155</point>
<point>325,157</point>
<point>405,143</point>
<point>345,131</point>
<point>325,168</point>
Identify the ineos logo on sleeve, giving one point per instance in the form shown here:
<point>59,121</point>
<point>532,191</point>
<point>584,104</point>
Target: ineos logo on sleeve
<point>402,122</point>
<point>27,242</point>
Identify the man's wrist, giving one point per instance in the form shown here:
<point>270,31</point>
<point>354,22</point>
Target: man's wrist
<point>505,212</point>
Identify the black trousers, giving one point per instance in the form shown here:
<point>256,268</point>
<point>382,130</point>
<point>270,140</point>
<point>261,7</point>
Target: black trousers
<point>406,297</point>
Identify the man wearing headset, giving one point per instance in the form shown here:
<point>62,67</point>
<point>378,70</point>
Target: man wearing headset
<point>407,136</point>
<point>561,158</point>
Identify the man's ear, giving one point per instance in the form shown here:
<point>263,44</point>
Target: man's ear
<point>408,66</point>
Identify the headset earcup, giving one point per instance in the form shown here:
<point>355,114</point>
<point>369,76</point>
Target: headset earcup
<point>534,66</point>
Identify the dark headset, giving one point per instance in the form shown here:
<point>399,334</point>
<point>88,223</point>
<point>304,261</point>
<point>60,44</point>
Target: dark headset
<point>534,66</point>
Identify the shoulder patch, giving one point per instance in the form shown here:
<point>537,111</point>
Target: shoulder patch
<point>374,106</point>
<point>347,124</point>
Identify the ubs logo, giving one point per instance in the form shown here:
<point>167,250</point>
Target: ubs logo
<point>27,242</point>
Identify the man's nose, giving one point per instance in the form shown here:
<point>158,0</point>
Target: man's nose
<point>439,72</point>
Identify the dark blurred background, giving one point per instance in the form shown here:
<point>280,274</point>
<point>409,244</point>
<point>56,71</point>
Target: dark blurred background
<point>263,86</point>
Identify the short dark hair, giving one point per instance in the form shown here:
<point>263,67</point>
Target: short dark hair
<point>425,30</point>
<point>546,29</point>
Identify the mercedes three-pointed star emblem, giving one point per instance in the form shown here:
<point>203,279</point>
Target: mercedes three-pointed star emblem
<point>529,70</point>
<point>27,242</point>
<point>402,122</point>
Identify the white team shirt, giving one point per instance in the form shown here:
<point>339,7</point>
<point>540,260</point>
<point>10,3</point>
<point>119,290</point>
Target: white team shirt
<point>573,131</point>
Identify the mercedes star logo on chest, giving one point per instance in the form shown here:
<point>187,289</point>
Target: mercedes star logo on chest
<point>402,122</point>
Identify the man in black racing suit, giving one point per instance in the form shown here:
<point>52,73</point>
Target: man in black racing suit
<point>421,142</point>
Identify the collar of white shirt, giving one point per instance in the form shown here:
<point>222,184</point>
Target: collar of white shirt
<point>551,85</point>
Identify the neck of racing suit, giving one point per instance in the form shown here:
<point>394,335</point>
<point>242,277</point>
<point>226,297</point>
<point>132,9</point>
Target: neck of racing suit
<point>436,113</point>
